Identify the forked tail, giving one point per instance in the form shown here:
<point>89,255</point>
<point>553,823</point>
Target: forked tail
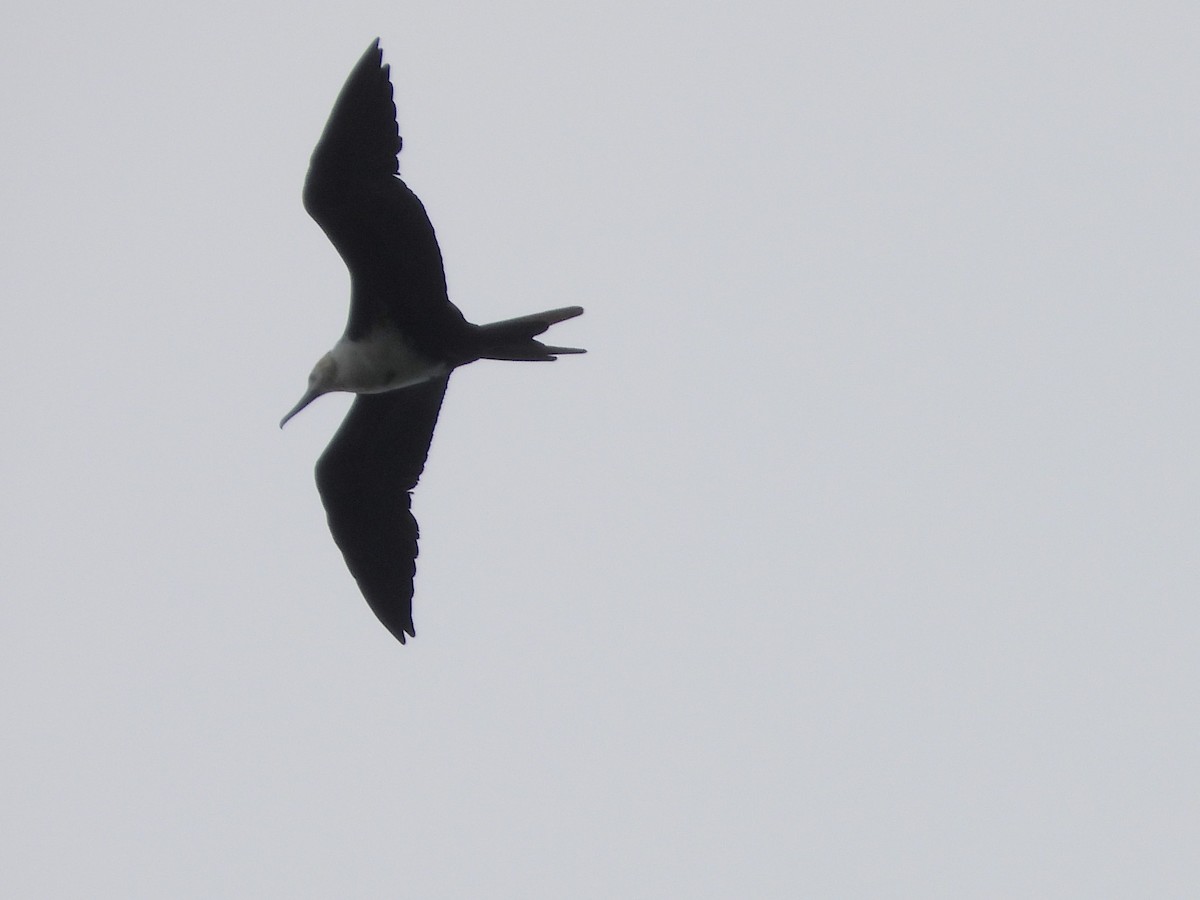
<point>514,338</point>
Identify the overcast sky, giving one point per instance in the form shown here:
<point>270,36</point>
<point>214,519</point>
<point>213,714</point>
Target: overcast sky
<point>858,558</point>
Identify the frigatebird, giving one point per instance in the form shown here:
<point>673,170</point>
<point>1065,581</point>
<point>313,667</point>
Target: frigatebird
<point>403,339</point>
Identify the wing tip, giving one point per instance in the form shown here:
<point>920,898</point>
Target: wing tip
<point>401,631</point>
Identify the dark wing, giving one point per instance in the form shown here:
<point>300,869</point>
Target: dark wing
<point>376,223</point>
<point>364,477</point>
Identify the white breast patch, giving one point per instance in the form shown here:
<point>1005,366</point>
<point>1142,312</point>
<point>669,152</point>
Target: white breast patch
<point>384,361</point>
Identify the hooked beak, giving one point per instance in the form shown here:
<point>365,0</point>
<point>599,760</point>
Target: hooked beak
<point>309,396</point>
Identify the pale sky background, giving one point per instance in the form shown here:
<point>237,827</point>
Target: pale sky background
<point>859,557</point>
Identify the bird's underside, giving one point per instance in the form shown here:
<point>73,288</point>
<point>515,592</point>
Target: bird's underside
<point>398,291</point>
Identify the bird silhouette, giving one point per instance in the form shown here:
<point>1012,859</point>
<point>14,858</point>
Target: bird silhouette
<point>402,341</point>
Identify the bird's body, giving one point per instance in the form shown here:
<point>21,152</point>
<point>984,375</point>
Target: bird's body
<point>403,338</point>
<point>382,360</point>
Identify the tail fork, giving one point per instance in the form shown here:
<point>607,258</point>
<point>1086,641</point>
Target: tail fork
<point>514,338</point>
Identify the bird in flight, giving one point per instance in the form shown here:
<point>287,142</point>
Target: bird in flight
<point>402,341</point>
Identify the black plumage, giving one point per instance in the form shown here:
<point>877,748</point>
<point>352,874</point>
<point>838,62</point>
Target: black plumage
<point>365,477</point>
<point>403,338</point>
<point>376,223</point>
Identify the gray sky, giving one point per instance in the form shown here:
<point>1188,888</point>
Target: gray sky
<point>853,560</point>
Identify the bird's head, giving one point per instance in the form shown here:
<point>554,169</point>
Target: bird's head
<point>322,380</point>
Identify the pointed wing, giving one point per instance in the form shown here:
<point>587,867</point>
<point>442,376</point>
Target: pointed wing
<point>376,223</point>
<point>361,138</point>
<point>364,478</point>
